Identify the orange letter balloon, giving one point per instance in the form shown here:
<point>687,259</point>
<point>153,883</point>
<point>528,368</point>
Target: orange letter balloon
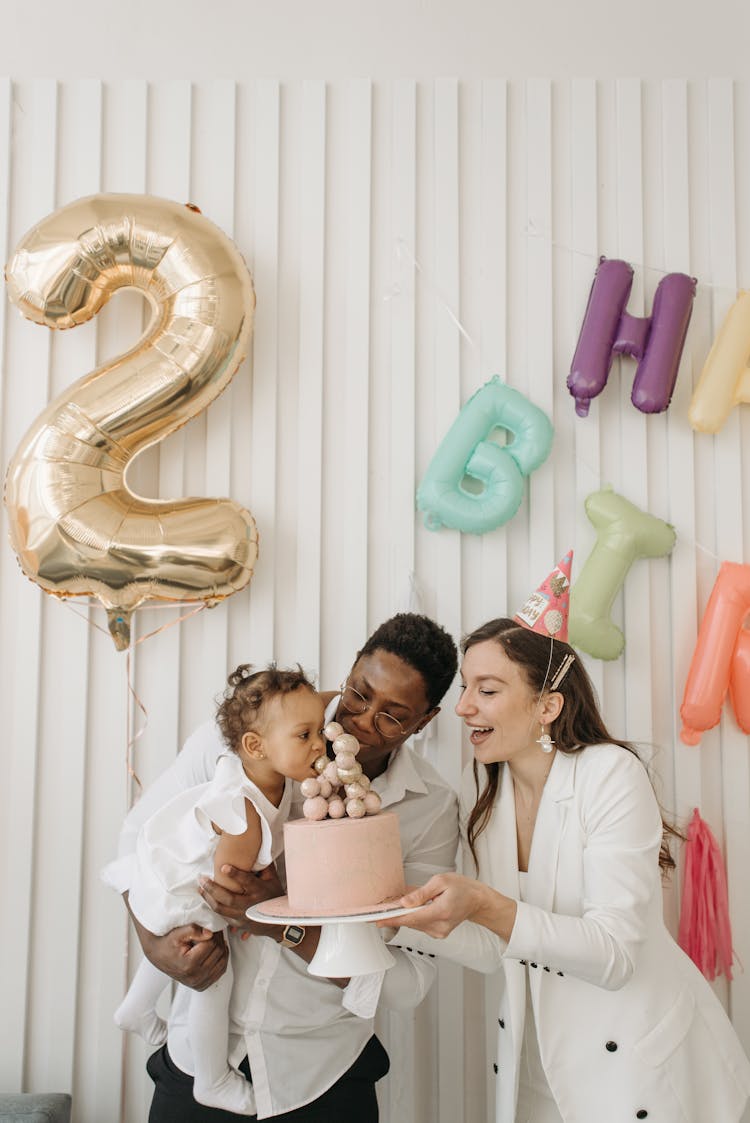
<point>721,660</point>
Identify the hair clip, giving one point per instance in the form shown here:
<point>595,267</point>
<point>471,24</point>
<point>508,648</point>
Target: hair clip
<point>562,671</point>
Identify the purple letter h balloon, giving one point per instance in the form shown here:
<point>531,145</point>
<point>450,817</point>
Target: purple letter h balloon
<point>656,341</point>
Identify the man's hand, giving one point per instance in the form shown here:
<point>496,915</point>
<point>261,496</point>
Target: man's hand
<point>190,955</point>
<point>248,889</point>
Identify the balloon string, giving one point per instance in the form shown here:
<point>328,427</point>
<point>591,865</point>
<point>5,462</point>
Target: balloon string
<point>132,695</point>
<point>533,231</point>
<point>133,737</point>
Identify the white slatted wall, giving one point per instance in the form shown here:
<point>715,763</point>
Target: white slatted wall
<point>408,240</point>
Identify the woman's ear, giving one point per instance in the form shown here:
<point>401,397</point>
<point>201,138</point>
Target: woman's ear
<point>551,707</point>
<point>252,745</point>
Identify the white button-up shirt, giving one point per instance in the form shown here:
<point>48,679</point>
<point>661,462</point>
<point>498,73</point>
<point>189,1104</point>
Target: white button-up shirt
<point>301,1033</point>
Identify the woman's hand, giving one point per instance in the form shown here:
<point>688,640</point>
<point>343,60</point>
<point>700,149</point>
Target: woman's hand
<point>449,899</point>
<point>249,889</point>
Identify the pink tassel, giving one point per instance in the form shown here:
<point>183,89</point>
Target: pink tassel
<point>705,932</point>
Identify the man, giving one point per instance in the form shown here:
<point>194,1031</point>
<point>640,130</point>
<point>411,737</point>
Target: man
<point>299,1038</point>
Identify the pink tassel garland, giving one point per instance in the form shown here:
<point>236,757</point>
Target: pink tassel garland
<point>705,932</point>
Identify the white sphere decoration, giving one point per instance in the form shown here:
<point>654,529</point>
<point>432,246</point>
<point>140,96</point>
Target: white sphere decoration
<point>346,743</point>
<point>355,808</point>
<point>336,809</point>
<point>347,775</point>
<point>371,803</point>
<point>322,795</point>
<point>331,773</point>
<point>315,808</point>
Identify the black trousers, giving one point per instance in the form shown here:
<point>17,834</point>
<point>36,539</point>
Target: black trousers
<point>350,1100</point>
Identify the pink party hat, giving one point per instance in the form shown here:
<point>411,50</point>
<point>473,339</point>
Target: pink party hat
<point>546,610</point>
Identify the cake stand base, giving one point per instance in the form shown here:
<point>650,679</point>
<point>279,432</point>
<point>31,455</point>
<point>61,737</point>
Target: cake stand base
<point>348,945</point>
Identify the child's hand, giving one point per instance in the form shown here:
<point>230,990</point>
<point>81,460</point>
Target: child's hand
<point>250,889</point>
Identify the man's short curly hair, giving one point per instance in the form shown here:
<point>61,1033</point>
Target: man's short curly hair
<point>423,644</point>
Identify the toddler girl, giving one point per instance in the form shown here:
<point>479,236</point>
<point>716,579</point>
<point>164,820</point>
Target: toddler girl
<point>271,721</point>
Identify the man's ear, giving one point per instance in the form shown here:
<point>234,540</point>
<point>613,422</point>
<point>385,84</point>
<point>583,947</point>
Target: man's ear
<point>252,745</point>
<point>427,719</point>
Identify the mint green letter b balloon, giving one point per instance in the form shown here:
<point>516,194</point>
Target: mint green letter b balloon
<point>466,451</point>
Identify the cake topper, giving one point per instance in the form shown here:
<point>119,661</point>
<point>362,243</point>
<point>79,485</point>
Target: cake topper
<point>324,797</point>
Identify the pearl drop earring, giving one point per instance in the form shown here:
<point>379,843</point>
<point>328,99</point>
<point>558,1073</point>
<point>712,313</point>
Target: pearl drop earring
<point>545,741</point>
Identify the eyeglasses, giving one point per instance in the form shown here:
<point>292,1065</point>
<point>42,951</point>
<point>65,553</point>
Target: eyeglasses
<point>387,726</point>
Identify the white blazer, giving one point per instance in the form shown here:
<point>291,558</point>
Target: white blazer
<point>628,1028</point>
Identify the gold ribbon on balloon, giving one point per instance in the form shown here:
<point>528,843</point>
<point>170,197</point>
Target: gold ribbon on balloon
<point>76,527</point>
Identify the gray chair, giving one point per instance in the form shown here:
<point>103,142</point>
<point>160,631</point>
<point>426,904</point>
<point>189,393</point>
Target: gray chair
<point>35,1107</point>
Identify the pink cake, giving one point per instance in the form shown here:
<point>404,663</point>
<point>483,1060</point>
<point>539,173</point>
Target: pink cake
<point>336,867</point>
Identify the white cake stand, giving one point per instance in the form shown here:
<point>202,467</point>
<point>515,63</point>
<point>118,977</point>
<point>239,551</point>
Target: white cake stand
<point>349,945</point>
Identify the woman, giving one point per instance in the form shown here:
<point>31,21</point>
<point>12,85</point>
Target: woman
<point>602,1016</point>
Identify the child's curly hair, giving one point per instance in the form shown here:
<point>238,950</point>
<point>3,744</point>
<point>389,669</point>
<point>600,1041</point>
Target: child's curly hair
<point>248,692</point>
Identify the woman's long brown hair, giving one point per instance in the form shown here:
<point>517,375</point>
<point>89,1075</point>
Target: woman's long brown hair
<point>578,724</point>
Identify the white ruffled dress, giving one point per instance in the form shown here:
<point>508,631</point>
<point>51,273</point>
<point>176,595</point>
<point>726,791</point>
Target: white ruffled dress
<point>176,846</point>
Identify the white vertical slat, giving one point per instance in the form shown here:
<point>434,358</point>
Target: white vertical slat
<point>29,115</point>
<point>684,790</point>
<point>471,284</point>
<point>306,538</point>
<point>27,358</point>
<point>493,315</point>
<point>402,421</point>
<point>582,256</point>
<point>213,152</point>
<point>238,607</point>
<point>6,103</point>
<point>99,1044</point>
<point>633,472</point>
<point>158,659</point>
<point>516,540</point>
<point>562,460</point>
<point>261,427</point>
<point>446,543</point>
<point>538,386</point>
<point>57,870</point>
<point>355,441</point>
<point>391,424</point>
<point>608,406</point>
<point>655,628</point>
<point>481,993</point>
<point>711,303</point>
<point>729,539</point>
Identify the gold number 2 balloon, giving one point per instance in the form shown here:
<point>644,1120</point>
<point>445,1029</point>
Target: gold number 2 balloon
<point>76,527</point>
